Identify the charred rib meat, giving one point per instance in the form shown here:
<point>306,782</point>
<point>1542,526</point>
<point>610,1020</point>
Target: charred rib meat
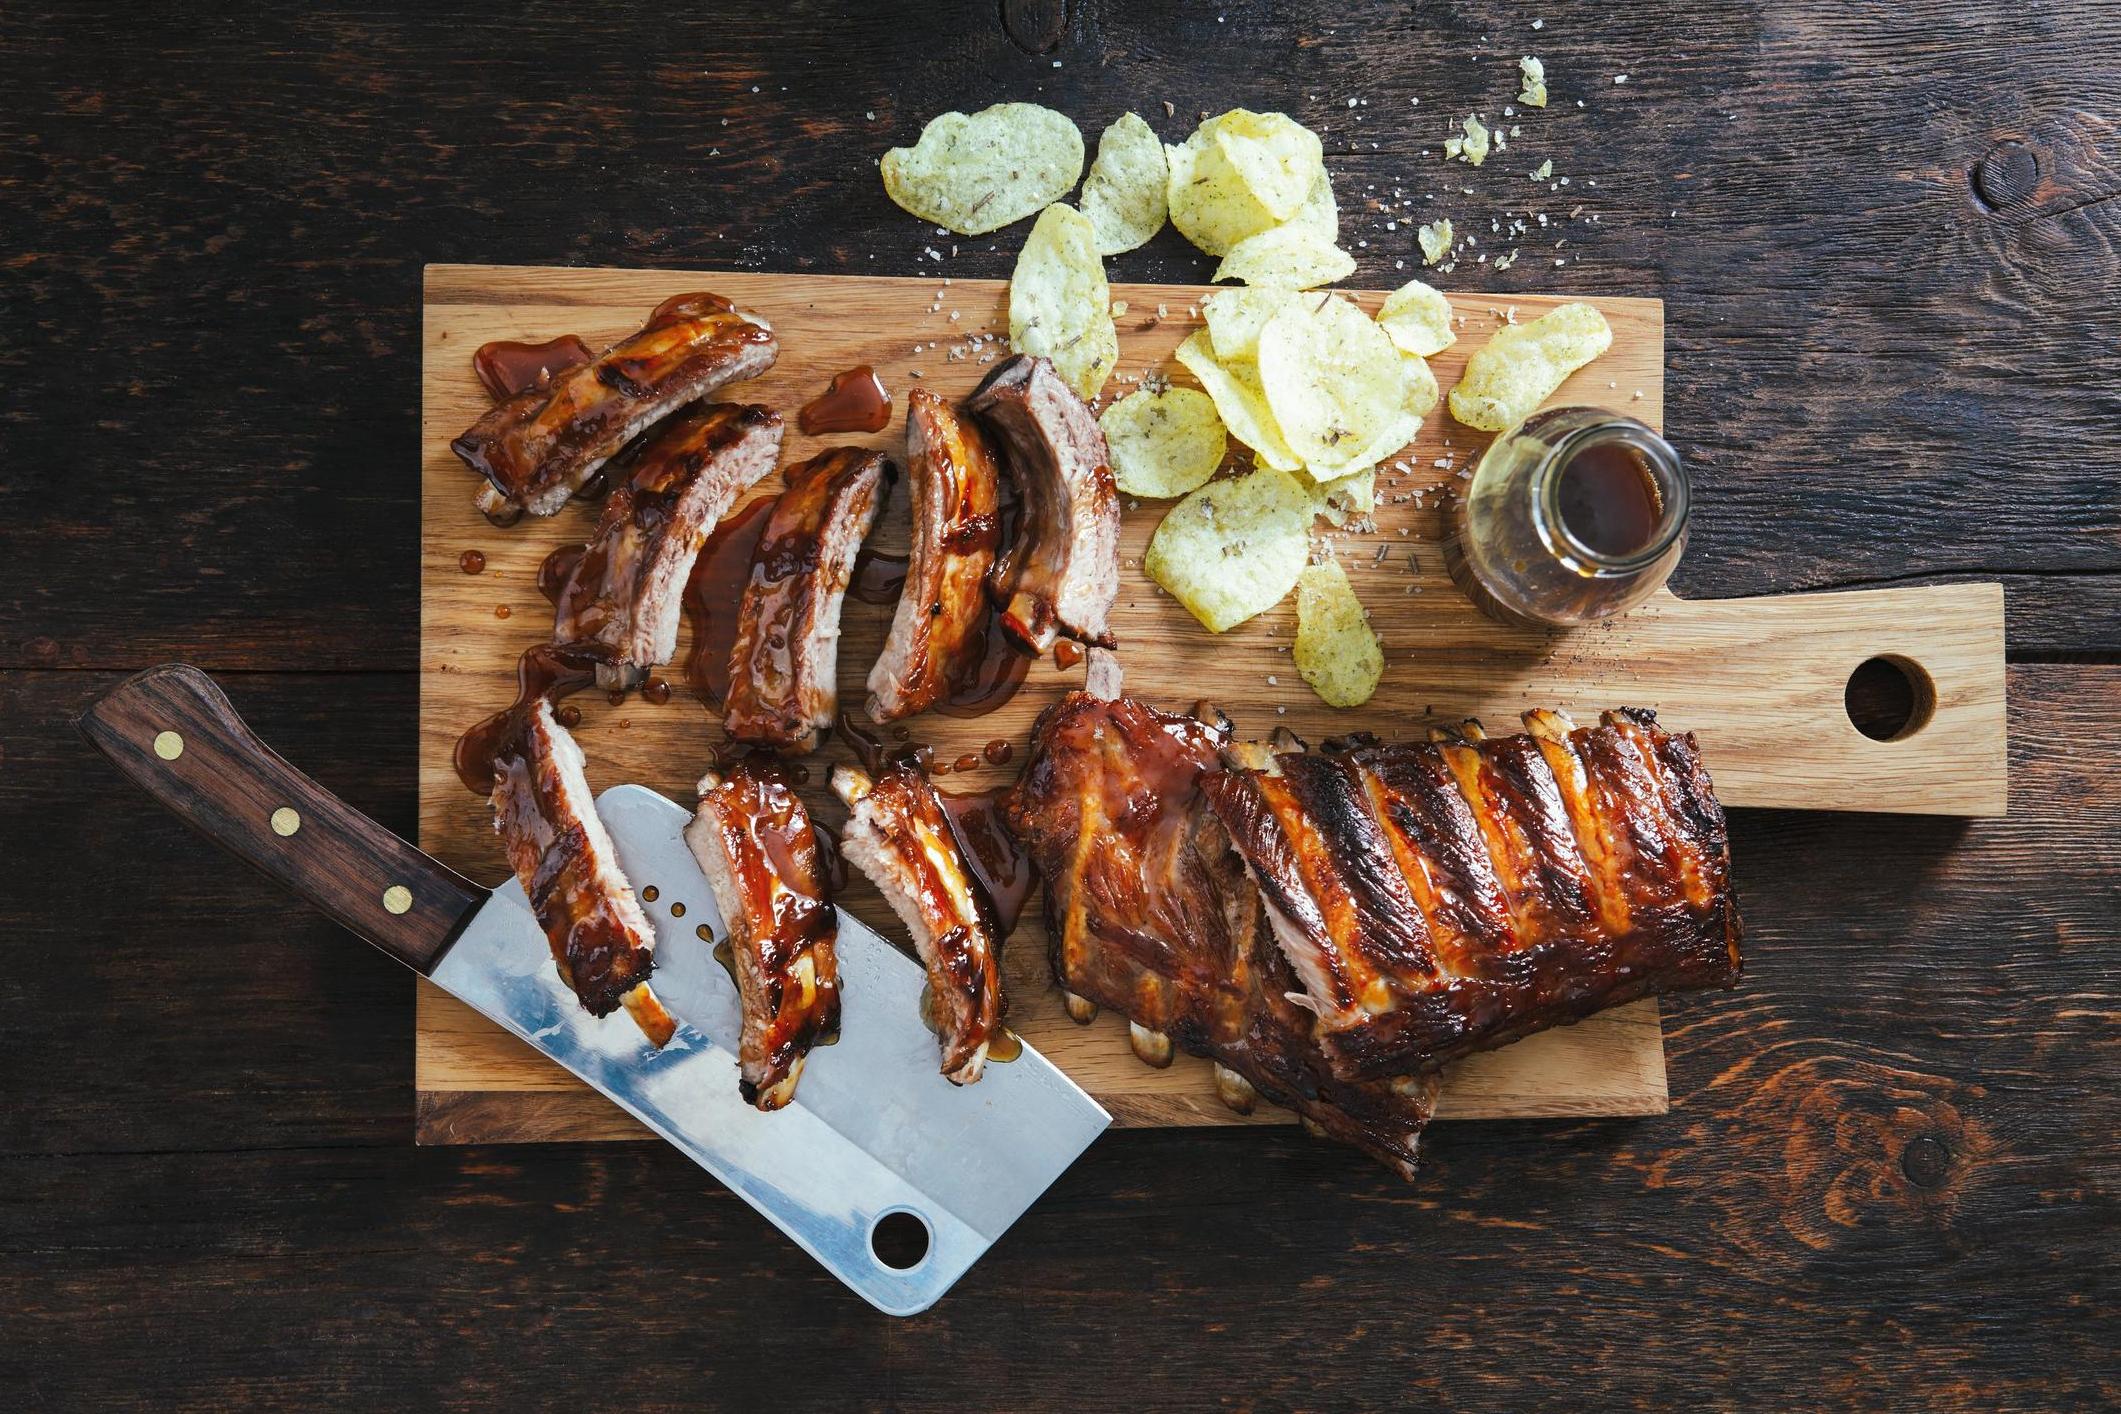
<point>898,835</point>
<point>754,843</point>
<point>784,664</point>
<point>1441,898</point>
<point>955,489</point>
<point>1149,912</point>
<point>538,448</point>
<point>627,590</point>
<point>601,941</point>
<point>1061,575</point>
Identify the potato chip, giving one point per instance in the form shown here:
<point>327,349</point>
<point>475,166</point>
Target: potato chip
<point>1241,173</point>
<point>1239,400</point>
<point>977,172</point>
<point>1336,384</point>
<point>1286,257</point>
<point>1233,548</point>
<point>1320,214</point>
<point>1435,239</point>
<point>1522,364</point>
<point>1235,318</point>
<point>1472,147</point>
<point>1124,195</point>
<point>1165,443</point>
<point>1532,82</point>
<point>1059,304</point>
<point>1336,650</point>
<point>1276,157</point>
<point>1347,500</point>
<point>1418,319</point>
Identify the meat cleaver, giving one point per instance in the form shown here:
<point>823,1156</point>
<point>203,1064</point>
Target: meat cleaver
<point>874,1130</point>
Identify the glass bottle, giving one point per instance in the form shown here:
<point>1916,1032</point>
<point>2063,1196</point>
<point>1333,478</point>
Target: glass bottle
<point>1573,515</point>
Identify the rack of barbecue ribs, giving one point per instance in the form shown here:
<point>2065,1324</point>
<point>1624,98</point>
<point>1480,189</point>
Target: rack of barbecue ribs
<point>954,490</point>
<point>753,840</point>
<point>899,836</point>
<point>784,663</point>
<point>627,591</point>
<point>1332,927</point>
<point>1062,574</point>
<point>602,943</point>
<point>1148,912</point>
<point>539,447</point>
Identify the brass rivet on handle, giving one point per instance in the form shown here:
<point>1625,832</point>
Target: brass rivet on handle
<point>397,898</point>
<point>285,821</point>
<point>168,745</point>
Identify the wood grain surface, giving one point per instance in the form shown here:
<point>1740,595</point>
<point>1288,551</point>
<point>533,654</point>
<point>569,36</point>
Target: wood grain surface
<point>1888,244</point>
<point>1762,682</point>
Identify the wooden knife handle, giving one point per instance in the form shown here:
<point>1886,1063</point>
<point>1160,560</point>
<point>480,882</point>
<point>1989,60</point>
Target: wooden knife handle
<point>173,731</point>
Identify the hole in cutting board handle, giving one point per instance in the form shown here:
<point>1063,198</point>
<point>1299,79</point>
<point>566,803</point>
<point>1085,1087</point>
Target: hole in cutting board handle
<point>1889,698</point>
<point>900,1240</point>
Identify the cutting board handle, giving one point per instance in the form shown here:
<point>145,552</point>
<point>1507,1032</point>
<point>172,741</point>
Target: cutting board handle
<point>174,732</point>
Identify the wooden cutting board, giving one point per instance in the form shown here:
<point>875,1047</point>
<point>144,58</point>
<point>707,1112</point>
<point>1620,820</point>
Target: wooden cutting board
<point>1761,681</point>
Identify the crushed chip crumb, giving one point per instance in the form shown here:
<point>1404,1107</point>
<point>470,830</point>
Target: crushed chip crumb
<point>1532,82</point>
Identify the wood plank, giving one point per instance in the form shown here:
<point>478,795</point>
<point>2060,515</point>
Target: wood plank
<point>1762,681</point>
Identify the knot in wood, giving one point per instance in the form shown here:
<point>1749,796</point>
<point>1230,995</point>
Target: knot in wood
<point>1035,26</point>
<point>2007,175</point>
<point>1926,1161</point>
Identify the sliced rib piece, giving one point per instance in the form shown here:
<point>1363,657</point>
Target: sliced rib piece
<point>954,486</point>
<point>784,665</point>
<point>754,843</point>
<point>1437,899</point>
<point>546,817</point>
<point>627,591</point>
<point>898,835</point>
<point>1150,913</point>
<point>1061,575</point>
<point>539,447</point>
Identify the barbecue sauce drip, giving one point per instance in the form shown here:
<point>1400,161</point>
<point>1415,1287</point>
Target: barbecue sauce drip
<point>1002,870</point>
<point>855,401</point>
<point>687,306</point>
<point>711,597</point>
<point>878,578</point>
<point>557,568</point>
<point>1608,500</point>
<point>1066,654</point>
<point>831,863</point>
<point>471,561</point>
<point>547,671</point>
<point>984,681</point>
<point>506,368</point>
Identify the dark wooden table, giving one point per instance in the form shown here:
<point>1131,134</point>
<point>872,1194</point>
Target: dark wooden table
<point>1889,244</point>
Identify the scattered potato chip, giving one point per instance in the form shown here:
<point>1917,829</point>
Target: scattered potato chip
<point>1472,147</point>
<point>1235,318</point>
<point>1124,195</point>
<point>1163,444</point>
<point>1059,304</point>
<point>1418,318</point>
<point>977,172</point>
<point>1286,257</point>
<point>1336,650</point>
<point>1241,173</point>
<point>1320,213</point>
<point>1435,239</point>
<point>1347,499</point>
<point>1276,157</point>
<point>1532,83</point>
<point>1233,548</point>
<point>1336,384</point>
<point>1522,364</point>
<point>1242,404</point>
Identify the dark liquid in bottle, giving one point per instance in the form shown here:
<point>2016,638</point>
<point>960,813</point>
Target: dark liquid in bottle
<point>1608,500</point>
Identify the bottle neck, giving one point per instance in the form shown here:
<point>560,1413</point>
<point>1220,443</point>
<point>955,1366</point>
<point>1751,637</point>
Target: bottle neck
<point>1657,463</point>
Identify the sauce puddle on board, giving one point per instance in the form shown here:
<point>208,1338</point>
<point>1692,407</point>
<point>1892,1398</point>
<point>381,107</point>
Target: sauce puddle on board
<point>855,401</point>
<point>506,367</point>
